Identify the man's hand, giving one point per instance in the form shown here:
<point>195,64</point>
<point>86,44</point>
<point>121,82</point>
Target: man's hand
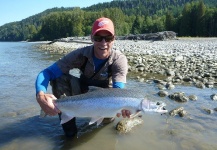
<point>46,103</point>
<point>124,113</point>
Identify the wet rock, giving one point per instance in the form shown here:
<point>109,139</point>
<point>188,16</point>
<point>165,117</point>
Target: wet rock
<point>156,81</point>
<point>163,93</point>
<point>214,97</point>
<point>192,97</point>
<point>179,97</point>
<point>170,86</point>
<point>215,109</point>
<point>209,111</point>
<point>178,111</point>
<point>161,87</point>
<point>182,113</point>
<point>126,125</point>
<point>200,85</point>
<point>209,84</point>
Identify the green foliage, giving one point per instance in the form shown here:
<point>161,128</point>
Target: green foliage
<point>186,17</point>
<point>170,22</point>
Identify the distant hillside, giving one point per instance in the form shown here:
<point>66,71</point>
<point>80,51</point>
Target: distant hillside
<point>146,7</point>
<point>26,28</point>
<point>186,17</point>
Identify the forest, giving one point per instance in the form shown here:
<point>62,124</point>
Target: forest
<point>189,18</point>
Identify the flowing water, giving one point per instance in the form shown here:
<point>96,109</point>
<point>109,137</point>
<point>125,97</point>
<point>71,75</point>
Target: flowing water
<point>22,129</point>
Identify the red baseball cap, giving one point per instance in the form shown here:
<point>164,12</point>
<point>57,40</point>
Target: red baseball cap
<point>103,24</point>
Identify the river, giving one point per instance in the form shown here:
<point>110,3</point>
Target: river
<point>22,129</point>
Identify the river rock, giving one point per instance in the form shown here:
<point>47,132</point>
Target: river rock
<point>209,111</point>
<point>163,93</point>
<point>192,97</point>
<point>209,84</point>
<point>178,111</point>
<point>214,97</point>
<point>200,85</point>
<point>126,125</point>
<point>170,86</point>
<point>179,97</point>
<point>161,87</point>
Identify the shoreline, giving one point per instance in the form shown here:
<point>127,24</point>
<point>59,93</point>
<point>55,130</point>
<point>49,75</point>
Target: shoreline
<point>191,60</point>
<point>203,47</point>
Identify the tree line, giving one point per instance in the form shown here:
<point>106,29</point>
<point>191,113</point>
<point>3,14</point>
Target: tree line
<point>194,18</point>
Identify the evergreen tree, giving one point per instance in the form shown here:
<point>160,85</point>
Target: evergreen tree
<point>137,25</point>
<point>185,26</point>
<point>201,9</point>
<point>170,22</point>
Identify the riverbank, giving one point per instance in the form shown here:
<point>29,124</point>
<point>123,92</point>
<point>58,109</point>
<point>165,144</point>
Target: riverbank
<point>186,60</point>
<point>202,47</point>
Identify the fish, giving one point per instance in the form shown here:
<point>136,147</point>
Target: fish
<point>105,103</point>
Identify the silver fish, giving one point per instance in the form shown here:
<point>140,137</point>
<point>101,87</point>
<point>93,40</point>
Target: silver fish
<point>105,103</point>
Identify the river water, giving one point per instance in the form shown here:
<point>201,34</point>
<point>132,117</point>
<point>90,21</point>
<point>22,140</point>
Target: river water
<point>22,129</point>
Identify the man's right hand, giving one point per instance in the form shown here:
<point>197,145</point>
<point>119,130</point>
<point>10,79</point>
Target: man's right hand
<point>46,103</point>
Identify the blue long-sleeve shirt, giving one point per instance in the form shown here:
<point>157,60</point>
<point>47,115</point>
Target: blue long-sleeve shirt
<point>54,72</point>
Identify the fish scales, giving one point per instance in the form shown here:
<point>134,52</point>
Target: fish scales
<point>100,103</point>
<point>107,93</point>
<point>105,103</point>
<point>102,106</point>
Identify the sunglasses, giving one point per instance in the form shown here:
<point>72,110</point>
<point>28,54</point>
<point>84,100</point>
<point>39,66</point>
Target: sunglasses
<point>106,38</point>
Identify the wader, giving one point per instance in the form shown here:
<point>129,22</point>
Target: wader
<point>69,85</point>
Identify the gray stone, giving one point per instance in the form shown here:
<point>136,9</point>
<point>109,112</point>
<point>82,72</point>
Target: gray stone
<point>163,93</point>
<point>214,97</point>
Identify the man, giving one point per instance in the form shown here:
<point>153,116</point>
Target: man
<point>100,66</point>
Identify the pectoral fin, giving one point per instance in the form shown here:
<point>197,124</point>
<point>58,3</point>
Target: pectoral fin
<point>97,119</point>
<point>136,114</point>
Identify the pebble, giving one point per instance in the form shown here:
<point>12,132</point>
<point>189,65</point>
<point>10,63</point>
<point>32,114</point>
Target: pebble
<point>209,111</point>
<point>192,97</point>
<point>214,97</point>
<point>178,111</point>
<point>163,93</point>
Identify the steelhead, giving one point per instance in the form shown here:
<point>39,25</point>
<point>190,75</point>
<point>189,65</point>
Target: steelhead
<point>105,103</point>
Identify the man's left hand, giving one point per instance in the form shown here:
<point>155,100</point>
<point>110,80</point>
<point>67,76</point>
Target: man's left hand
<point>124,113</point>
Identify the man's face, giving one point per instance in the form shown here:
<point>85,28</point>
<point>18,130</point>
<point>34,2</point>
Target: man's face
<point>103,42</point>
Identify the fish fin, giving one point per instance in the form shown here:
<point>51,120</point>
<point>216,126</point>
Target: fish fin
<point>65,118</point>
<point>42,114</point>
<point>136,114</point>
<point>63,96</point>
<point>153,106</point>
<point>97,119</point>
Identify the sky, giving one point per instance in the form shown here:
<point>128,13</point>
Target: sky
<point>16,10</point>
